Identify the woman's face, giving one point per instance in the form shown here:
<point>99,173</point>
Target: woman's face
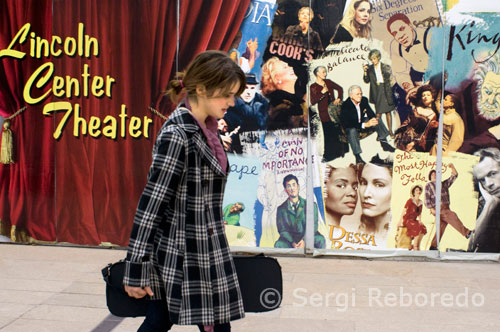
<point>375,60</point>
<point>321,73</point>
<point>342,191</point>
<point>427,98</point>
<point>448,101</point>
<point>417,192</point>
<point>283,72</point>
<point>362,13</point>
<point>304,15</point>
<point>217,104</point>
<point>375,190</point>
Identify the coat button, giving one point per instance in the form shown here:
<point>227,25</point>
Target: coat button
<point>210,231</point>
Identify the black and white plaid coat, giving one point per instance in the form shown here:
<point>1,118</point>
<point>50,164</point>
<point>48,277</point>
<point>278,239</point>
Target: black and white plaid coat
<point>178,246</point>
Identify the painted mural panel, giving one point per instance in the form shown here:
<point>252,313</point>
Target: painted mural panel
<point>269,124</point>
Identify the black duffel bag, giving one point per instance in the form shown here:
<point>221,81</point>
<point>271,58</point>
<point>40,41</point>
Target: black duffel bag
<point>259,277</point>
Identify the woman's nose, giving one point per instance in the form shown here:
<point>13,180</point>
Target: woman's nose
<point>351,191</point>
<point>368,191</point>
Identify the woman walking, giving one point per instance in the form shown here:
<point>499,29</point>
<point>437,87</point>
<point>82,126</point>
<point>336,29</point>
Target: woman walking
<point>178,253</point>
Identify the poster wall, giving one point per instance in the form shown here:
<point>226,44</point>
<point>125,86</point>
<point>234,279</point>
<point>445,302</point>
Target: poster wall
<point>419,71</point>
<point>365,126</point>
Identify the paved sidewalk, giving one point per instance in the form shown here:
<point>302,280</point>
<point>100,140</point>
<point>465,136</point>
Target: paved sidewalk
<point>59,289</point>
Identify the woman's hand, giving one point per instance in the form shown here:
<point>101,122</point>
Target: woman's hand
<point>138,292</point>
<point>300,244</point>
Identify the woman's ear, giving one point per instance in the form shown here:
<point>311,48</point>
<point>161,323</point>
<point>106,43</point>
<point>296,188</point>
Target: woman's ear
<point>201,90</point>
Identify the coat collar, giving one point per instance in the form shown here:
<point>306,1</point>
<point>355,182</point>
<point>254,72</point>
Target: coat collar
<point>184,119</point>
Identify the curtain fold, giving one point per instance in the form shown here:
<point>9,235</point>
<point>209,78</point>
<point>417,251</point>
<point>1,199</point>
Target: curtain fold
<point>99,180</point>
<point>208,25</point>
<point>26,187</point>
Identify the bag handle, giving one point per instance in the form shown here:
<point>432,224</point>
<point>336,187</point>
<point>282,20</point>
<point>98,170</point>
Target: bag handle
<point>106,271</point>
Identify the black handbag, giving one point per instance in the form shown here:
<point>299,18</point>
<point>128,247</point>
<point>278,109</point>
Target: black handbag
<point>260,280</point>
<point>117,300</point>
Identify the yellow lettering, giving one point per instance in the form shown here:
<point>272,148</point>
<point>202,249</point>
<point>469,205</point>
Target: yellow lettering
<point>40,82</point>
<point>348,237</point>
<point>94,125</point>
<point>109,80</point>
<point>58,106</point>
<point>42,45</point>
<point>372,240</point>
<point>332,228</point>
<point>72,83</point>
<point>123,117</point>
<point>70,46</point>
<point>81,29</point>
<point>97,84</point>
<point>336,245</point>
<point>19,37</point>
<point>79,121</point>
<point>135,124</point>
<point>91,42</point>
<point>58,86</point>
<point>110,130</point>
<point>147,122</point>
<point>58,40</point>
<point>85,76</point>
<point>356,238</point>
<point>363,239</point>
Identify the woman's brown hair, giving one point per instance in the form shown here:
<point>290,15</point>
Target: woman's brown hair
<point>213,70</point>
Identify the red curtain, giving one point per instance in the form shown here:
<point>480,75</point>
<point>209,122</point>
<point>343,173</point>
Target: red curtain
<point>26,187</point>
<point>208,25</point>
<point>99,180</point>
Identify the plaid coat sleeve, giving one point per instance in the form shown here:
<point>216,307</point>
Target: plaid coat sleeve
<point>164,176</point>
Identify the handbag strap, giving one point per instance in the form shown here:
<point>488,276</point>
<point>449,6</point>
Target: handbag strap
<point>106,271</point>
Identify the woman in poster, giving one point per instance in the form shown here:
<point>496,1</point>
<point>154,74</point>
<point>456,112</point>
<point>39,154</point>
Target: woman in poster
<point>375,189</point>
<point>418,131</point>
<point>355,24</point>
<point>303,34</point>
<point>287,110</point>
<point>329,103</point>
<point>341,196</point>
<point>378,75</point>
<point>411,218</point>
<point>178,226</point>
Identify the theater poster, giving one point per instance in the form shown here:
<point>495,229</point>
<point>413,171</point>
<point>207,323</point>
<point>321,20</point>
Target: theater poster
<point>361,93</point>
<point>471,63</point>
<point>266,133</point>
<point>414,187</point>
